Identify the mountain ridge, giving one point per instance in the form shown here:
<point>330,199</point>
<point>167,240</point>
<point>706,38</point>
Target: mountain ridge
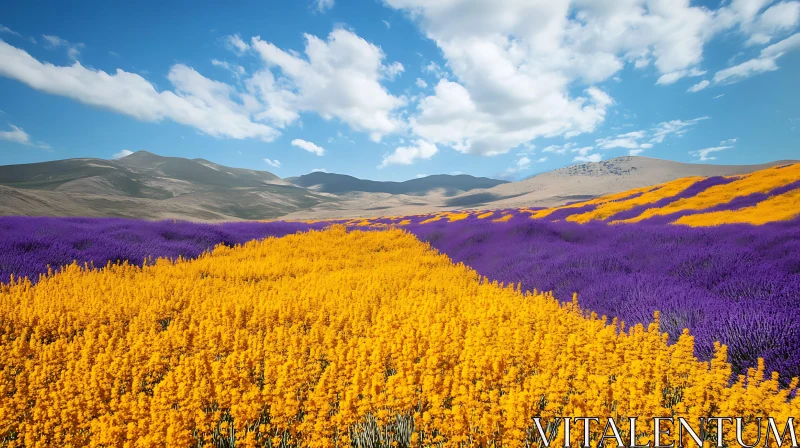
<point>150,186</point>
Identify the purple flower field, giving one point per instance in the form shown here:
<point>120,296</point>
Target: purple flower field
<point>738,284</point>
<point>29,245</point>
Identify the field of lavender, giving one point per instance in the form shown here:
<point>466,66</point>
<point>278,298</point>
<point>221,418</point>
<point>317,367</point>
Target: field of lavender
<point>734,283</point>
<point>191,334</point>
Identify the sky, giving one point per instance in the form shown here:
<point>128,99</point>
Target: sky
<point>397,89</point>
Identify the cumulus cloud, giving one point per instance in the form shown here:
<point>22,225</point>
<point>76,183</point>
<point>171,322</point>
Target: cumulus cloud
<point>308,146</point>
<point>273,163</point>
<point>121,154</point>
<point>236,70</point>
<point>392,70</point>
<point>16,135</point>
<point>514,65</point>
<point>338,78</point>
<point>407,155</point>
<point>421,83</point>
<point>235,43</point>
<point>319,170</point>
<point>209,106</point>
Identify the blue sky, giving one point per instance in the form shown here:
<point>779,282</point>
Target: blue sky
<point>393,89</point>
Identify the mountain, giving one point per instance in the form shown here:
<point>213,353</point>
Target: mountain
<point>146,185</point>
<point>573,183</point>
<point>589,180</point>
<point>343,184</point>
<point>149,186</point>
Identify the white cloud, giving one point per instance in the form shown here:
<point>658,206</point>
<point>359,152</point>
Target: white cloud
<point>729,141</point>
<point>236,70</point>
<point>672,77</point>
<point>386,22</point>
<point>308,146</point>
<point>235,43</point>
<point>209,106</point>
<point>73,50</point>
<point>392,70</point>
<point>455,173</point>
<point>434,69</point>
<point>339,78</point>
<point>673,127</point>
<point>559,149</point>
<point>121,154</point>
<point>776,19</point>
<point>719,96</point>
<point>6,30</point>
<point>514,63</point>
<point>699,86</point>
<point>407,155</point>
<point>16,135</point>
<point>420,176</point>
<point>273,163</point>
<point>635,152</point>
<point>522,164</point>
<point>745,70</point>
<point>512,66</point>
<point>322,5</point>
<point>421,83</point>
<point>319,170</point>
<point>767,61</point>
<point>589,158</point>
<point>703,154</point>
<point>627,141</point>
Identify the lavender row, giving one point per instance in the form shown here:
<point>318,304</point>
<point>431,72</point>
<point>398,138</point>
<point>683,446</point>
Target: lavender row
<point>29,245</point>
<point>738,284</point>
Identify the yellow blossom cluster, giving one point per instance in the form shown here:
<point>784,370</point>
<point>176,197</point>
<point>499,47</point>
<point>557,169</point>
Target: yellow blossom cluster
<point>761,181</point>
<point>781,207</point>
<point>334,338</point>
<point>610,208</point>
<point>777,208</point>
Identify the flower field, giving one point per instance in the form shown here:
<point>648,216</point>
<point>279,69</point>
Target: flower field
<point>427,330</point>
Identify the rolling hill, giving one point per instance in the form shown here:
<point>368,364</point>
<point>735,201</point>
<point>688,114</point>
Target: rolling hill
<point>146,185</point>
<point>149,186</point>
<point>450,185</point>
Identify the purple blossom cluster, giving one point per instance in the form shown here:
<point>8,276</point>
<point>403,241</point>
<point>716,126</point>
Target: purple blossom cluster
<point>29,245</point>
<point>738,284</point>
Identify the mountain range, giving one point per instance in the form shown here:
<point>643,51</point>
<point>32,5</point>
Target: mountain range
<point>149,186</point>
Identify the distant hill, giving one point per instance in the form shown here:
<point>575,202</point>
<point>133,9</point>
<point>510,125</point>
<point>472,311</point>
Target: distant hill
<point>572,183</point>
<point>149,186</point>
<point>589,180</point>
<point>343,184</point>
<point>146,185</point>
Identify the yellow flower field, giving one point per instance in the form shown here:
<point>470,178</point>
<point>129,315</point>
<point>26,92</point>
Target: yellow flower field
<point>333,338</point>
